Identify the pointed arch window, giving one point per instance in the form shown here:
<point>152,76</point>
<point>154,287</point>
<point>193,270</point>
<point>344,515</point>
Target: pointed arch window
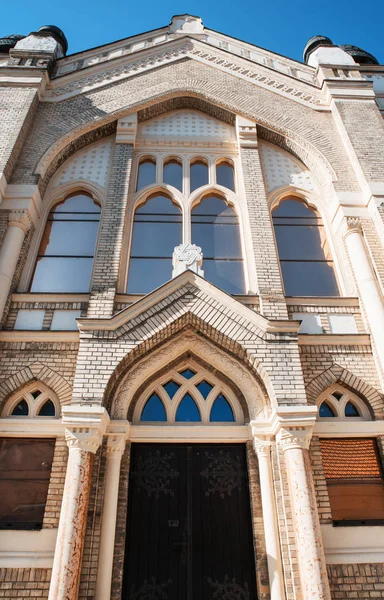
<point>198,174</point>
<point>225,175</point>
<point>173,173</point>
<point>146,174</point>
<point>157,229</point>
<point>65,258</point>
<point>32,403</point>
<point>216,229</point>
<point>305,259</point>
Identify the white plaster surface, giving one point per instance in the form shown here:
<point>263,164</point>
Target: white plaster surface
<point>330,55</point>
<point>188,124</point>
<point>281,169</point>
<point>91,164</point>
<point>27,549</point>
<point>347,545</point>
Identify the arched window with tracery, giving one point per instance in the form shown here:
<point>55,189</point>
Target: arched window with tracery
<point>198,173</point>
<point>216,229</point>
<point>189,395</point>
<point>225,175</point>
<point>157,229</point>
<point>65,257</point>
<point>305,258</point>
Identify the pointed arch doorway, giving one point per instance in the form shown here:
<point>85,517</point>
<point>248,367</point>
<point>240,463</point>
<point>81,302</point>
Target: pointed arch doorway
<point>189,527</point>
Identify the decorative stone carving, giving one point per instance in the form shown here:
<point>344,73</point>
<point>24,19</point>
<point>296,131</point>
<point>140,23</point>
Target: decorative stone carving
<point>352,225</point>
<point>116,444</point>
<point>85,426</point>
<point>262,446</point>
<point>291,438</point>
<point>20,218</point>
<point>247,133</point>
<point>187,256</point>
<point>186,24</point>
<point>126,130</point>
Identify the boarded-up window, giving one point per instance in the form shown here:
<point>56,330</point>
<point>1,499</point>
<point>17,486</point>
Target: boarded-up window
<point>354,479</point>
<point>25,468</point>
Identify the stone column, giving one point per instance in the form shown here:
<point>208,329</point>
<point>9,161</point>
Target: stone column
<point>84,431</point>
<point>271,530</point>
<point>115,450</point>
<point>366,280</point>
<point>19,223</point>
<point>313,574</point>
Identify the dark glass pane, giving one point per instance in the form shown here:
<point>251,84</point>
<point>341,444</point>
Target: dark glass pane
<point>21,409</point>
<point>224,176</point>
<point>155,239</point>
<point>337,395</point>
<point>69,238</point>
<point>146,174</point>
<point>47,410</point>
<point>198,175</point>
<point>79,203</point>
<point>221,411</point>
<point>154,410</point>
<point>62,275</point>
<point>187,373</point>
<point>187,410</point>
<point>300,242</point>
<point>173,174</point>
<point>159,205</point>
<point>351,410</point>
<point>228,275</point>
<point>326,410</point>
<point>217,241</point>
<point>25,467</point>
<point>212,205</point>
<point>204,388</point>
<point>35,394</point>
<point>147,274</point>
<point>293,208</point>
<point>309,279</point>
<point>171,388</point>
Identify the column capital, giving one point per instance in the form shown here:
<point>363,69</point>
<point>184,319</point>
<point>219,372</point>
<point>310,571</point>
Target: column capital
<point>293,438</point>
<point>85,426</point>
<point>116,445</point>
<point>20,218</point>
<point>351,225</point>
<point>262,445</point>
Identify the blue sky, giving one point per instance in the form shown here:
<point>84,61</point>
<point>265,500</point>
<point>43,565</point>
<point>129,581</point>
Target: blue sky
<point>279,25</point>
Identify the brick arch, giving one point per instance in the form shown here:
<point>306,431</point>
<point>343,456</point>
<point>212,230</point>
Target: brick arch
<point>36,372</point>
<point>188,335</point>
<point>311,146</point>
<point>344,377</point>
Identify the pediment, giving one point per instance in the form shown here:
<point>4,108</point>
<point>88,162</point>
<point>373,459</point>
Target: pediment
<point>187,294</point>
<point>285,81</point>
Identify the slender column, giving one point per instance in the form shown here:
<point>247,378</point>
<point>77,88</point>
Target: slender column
<point>115,450</point>
<point>19,223</point>
<point>271,530</point>
<point>313,574</point>
<point>370,293</point>
<point>84,433</point>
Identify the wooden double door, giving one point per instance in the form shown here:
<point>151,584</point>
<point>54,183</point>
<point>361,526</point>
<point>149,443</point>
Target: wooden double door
<point>189,532</point>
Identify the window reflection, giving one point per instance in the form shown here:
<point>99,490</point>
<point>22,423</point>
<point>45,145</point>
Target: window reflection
<point>65,258</point>
<point>157,229</point>
<point>198,174</point>
<point>215,228</point>
<point>146,174</point>
<point>173,174</point>
<point>305,258</point>
<point>224,175</point>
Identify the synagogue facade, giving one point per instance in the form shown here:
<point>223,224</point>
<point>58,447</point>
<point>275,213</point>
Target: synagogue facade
<point>192,319</point>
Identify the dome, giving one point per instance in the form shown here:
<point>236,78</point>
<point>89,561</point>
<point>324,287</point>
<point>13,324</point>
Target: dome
<point>57,34</point>
<point>360,56</point>
<point>315,42</point>
<point>9,41</point>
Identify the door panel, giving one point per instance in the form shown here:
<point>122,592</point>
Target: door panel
<point>189,534</point>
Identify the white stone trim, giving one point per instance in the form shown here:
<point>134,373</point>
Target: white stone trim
<point>39,336</point>
<point>334,339</point>
<point>191,433</point>
<point>349,545</point>
<point>27,549</point>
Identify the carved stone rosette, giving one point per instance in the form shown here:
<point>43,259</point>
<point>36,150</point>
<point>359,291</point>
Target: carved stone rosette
<point>187,256</point>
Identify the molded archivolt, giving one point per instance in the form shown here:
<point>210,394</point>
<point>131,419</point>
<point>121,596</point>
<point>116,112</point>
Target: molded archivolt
<point>34,373</point>
<point>189,346</point>
<point>344,377</point>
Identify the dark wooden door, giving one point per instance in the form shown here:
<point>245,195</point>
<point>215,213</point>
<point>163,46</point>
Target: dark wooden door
<point>189,533</point>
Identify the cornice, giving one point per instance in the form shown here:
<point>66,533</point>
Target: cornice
<point>127,66</point>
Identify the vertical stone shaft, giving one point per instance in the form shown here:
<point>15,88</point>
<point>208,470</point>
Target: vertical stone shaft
<point>70,538</point>
<point>272,541</point>
<point>311,558</point>
<point>115,450</point>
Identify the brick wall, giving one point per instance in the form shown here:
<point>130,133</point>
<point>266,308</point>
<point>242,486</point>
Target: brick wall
<point>361,581</point>
<point>24,583</point>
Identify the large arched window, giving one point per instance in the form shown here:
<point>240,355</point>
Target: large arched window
<point>215,228</point>
<point>305,259</point>
<point>65,259</point>
<point>157,229</point>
